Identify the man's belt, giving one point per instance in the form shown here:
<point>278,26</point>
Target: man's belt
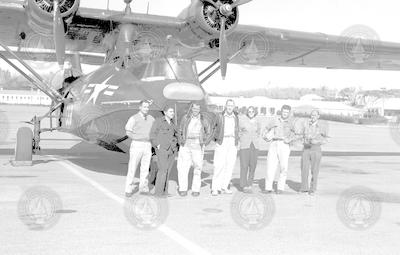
<point>193,138</point>
<point>277,139</point>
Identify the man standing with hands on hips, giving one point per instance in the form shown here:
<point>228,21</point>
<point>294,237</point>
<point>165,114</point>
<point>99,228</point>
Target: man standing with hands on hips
<point>164,138</point>
<point>227,139</point>
<point>138,129</point>
<point>281,133</point>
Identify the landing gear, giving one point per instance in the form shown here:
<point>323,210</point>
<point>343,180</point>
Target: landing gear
<point>23,148</point>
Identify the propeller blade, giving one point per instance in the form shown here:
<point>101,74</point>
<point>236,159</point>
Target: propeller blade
<point>59,34</point>
<point>239,2</point>
<point>223,48</point>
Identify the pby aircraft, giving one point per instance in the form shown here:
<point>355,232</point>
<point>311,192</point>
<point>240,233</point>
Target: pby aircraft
<point>142,56</point>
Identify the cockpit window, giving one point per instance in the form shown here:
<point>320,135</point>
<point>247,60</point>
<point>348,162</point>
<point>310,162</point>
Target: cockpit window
<point>166,69</point>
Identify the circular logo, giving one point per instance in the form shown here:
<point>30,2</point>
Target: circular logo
<point>38,48</point>
<point>150,44</point>
<point>146,212</point>
<point>93,126</point>
<point>394,127</point>
<point>38,208</point>
<point>254,48</point>
<point>357,44</point>
<point>4,127</point>
<point>359,208</point>
<point>252,211</point>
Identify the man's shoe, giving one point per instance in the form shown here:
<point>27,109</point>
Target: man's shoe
<point>311,193</point>
<point>182,193</point>
<point>227,191</point>
<point>303,191</point>
<point>128,194</point>
<point>195,194</point>
<point>214,192</point>
<point>278,191</point>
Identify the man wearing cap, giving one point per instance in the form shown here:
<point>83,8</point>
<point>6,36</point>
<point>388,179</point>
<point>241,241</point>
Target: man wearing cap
<point>194,135</point>
<point>164,139</point>
<point>281,133</point>
<point>314,134</point>
<point>226,132</point>
<point>138,129</point>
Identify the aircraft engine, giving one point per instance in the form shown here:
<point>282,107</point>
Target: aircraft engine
<point>204,18</point>
<point>40,13</point>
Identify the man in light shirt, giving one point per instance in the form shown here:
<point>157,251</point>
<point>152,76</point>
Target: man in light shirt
<point>138,129</point>
<point>194,134</point>
<point>281,132</point>
<point>226,133</point>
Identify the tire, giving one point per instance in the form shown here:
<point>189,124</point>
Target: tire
<point>23,148</point>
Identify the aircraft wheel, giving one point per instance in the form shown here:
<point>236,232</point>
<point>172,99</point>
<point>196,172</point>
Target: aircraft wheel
<point>23,148</point>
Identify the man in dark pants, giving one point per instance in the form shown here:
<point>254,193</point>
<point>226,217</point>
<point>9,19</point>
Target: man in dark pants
<point>164,139</point>
<point>314,134</point>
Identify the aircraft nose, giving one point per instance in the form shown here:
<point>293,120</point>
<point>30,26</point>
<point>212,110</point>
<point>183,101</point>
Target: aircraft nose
<point>183,91</point>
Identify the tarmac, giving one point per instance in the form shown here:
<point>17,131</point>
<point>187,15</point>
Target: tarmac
<point>71,201</point>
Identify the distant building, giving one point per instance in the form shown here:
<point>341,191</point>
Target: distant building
<point>311,97</point>
<point>388,107</point>
<point>270,107</point>
<point>33,97</point>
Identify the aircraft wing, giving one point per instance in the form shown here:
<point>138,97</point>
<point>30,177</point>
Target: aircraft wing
<point>90,32</point>
<point>278,47</point>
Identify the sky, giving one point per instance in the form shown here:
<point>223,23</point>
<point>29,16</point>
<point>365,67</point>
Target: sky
<point>327,16</point>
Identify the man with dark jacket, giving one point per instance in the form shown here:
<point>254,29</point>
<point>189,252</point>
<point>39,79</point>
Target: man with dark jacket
<point>227,139</point>
<point>164,139</point>
<point>194,134</point>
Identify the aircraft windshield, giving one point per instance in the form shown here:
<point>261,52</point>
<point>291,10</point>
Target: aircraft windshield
<point>167,69</point>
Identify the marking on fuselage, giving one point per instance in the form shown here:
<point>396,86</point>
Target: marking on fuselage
<point>99,88</point>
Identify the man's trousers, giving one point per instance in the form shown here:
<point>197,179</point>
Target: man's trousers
<point>278,157</point>
<point>165,161</point>
<point>224,162</point>
<point>190,155</point>
<point>138,152</point>
<point>311,157</point>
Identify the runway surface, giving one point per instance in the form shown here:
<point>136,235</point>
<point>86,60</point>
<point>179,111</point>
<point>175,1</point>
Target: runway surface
<point>89,181</point>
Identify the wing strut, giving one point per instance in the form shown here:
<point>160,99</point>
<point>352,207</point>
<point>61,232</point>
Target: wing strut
<point>37,80</point>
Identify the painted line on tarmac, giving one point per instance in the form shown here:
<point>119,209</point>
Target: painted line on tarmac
<point>181,240</point>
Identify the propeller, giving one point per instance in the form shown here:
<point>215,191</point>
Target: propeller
<point>59,34</point>
<point>224,10</point>
<point>223,49</point>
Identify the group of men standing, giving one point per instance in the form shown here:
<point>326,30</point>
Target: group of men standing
<point>231,133</point>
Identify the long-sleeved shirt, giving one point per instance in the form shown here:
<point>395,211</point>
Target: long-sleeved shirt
<point>314,133</point>
<point>249,131</point>
<point>164,134</point>
<point>283,129</point>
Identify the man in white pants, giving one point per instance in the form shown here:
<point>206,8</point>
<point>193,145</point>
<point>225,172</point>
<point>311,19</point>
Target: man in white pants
<point>227,138</point>
<point>194,135</point>
<point>281,133</point>
<point>138,129</point>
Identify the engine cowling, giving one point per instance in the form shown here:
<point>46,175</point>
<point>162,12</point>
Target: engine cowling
<point>204,21</point>
<point>40,14</point>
